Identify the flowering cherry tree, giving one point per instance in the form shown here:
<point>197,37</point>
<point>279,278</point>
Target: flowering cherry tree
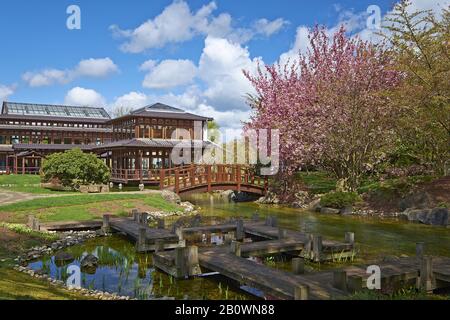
<point>330,104</point>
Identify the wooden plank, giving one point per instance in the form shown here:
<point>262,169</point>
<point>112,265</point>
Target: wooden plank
<point>260,248</point>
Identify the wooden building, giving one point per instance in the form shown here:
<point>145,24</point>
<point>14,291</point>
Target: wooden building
<point>134,146</point>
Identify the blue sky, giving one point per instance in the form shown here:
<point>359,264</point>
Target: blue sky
<point>186,53</point>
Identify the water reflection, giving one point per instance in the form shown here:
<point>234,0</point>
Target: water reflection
<point>123,271</point>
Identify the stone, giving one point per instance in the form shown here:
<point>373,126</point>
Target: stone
<point>438,217</point>
<point>227,194</point>
<point>315,205</point>
<point>346,211</point>
<point>415,200</point>
<point>326,210</point>
<point>89,261</point>
<point>171,196</point>
<point>63,258</point>
<point>141,187</point>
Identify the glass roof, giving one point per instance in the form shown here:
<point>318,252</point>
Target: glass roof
<point>54,110</point>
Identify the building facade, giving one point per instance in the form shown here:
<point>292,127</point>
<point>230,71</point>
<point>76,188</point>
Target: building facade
<point>134,146</point>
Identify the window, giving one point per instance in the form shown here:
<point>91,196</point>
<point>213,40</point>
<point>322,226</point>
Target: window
<point>57,141</point>
<point>15,139</point>
<point>67,140</point>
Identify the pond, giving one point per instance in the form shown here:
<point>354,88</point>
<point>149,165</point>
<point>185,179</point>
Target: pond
<point>123,271</point>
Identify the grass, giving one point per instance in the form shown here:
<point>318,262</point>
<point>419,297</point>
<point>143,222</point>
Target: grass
<point>317,182</point>
<point>15,285</point>
<point>82,199</point>
<point>21,229</point>
<point>26,183</point>
<point>403,294</point>
<point>81,207</point>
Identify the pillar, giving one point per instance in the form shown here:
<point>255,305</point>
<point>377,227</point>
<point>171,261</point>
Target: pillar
<point>340,280</point>
<point>240,230</point>
<point>106,223</point>
<point>426,274</point>
<point>235,248</point>
<point>298,266</point>
<point>301,292</point>
<point>317,247</point>
<point>350,238</point>
<point>142,235</point>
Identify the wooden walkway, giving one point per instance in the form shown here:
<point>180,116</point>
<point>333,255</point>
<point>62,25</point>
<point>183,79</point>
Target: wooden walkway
<point>146,238</point>
<point>335,284</point>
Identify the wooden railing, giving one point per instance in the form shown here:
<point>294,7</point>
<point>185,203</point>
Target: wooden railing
<point>20,170</point>
<point>189,177</point>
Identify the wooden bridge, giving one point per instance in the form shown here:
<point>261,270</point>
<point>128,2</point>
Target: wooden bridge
<point>197,178</point>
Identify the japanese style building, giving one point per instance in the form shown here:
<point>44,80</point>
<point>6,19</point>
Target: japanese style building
<point>133,146</point>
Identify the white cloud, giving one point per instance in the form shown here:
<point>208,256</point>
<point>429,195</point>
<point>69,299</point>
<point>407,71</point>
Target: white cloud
<point>168,73</point>
<point>94,68</point>
<point>177,23</point>
<point>84,97</point>
<point>5,92</point>
<point>221,68</point>
<point>46,77</point>
<point>132,99</point>
<point>269,28</point>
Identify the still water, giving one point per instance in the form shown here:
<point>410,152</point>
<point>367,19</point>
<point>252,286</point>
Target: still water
<point>126,272</point>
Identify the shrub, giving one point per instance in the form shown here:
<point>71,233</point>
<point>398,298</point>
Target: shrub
<point>339,200</point>
<point>74,167</point>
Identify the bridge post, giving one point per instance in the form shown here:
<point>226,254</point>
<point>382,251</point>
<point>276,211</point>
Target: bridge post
<point>140,244</point>
<point>208,177</point>
<point>350,238</point>
<point>180,262</point>
<point>426,274</point>
<point>179,233</point>
<point>238,177</point>
<point>161,178</point>
<point>301,292</point>
<point>317,247</point>
<point>240,230</point>
<point>135,213</point>
<point>106,227</point>
<point>177,181</point>
<point>235,248</point>
<point>340,280</point>
<point>192,260</point>
<point>298,266</point>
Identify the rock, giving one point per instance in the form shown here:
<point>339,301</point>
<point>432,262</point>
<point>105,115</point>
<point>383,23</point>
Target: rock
<point>89,261</point>
<point>326,210</point>
<point>435,217</point>
<point>315,205</point>
<point>270,198</point>
<point>438,217</point>
<point>171,197</point>
<point>141,187</point>
<point>417,200</point>
<point>348,210</point>
<point>416,215</point>
<point>63,258</point>
<point>227,194</point>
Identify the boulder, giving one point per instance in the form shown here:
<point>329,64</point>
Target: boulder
<point>416,200</point>
<point>270,198</point>
<point>227,194</point>
<point>348,210</point>
<point>171,196</point>
<point>63,258</point>
<point>326,210</point>
<point>315,205</point>
<point>89,261</point>
<point>439,217</point>
<point>435,217</point>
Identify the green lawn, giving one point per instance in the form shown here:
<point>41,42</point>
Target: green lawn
<point>24,183</point>
<point>83,207</point>
<point>317,182</point>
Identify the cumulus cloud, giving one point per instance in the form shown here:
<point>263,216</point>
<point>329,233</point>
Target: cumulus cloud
<point>177,23</point>
<point>5,92</point>
<point>93,68</point>
<point>168,73</point>
<point>84,97</point>
<point>220,68</point>
<point>132,100</point>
